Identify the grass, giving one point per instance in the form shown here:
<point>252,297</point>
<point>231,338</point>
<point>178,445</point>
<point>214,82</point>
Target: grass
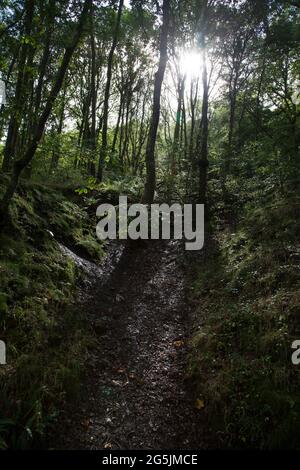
<point>247,301</point>
<point>47,338</point>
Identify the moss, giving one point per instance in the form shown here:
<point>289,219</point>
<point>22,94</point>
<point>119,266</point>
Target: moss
<point>47,337</point>
<point>248,294</point>
<point>90,247</point>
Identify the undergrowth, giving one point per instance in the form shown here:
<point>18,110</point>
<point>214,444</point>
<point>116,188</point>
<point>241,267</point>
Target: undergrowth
<point>47,339</point>
<point>246,292</point>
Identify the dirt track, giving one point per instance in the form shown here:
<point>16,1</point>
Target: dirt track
<point>135,395</point>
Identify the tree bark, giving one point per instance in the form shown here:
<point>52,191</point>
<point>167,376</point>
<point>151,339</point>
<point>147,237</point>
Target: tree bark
<point>103,149</point>
<point>57,142</point>
<point>20,164</point>
<point>150,183</point>
<point>203,154</point>
<point>50,15</point>
<point>231,128</point>
<point>178,125</point>
<point>113,148</point>
<point>10,71</point>
<point>93,137</point>
<point>193,105</point>
<point>14,124</point>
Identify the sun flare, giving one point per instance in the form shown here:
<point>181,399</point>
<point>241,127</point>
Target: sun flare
<point>191,63</point>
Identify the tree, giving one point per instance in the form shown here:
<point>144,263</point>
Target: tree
<point>150,183</point>
<point>203,134</point>
<point>21,89</point>
<point>28,155</point>
<point>103,150</point>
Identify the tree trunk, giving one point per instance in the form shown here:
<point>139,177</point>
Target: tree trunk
<point>203,154</point>
<point>103,149</point>
<point>126,132</point>
<point>178,125</point>
<point>193,104</point>
<point>113,148</point>
<point>14,124</point>
<point>232,113</point>
<point>57,141</point>
<point>93,138</point>
<point>150,184</point>
<point>20,164</point>
<point>10,70</point>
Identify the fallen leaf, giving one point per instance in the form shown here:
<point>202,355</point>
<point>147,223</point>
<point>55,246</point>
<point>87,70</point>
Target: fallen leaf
<point>199,404</point>
<point>116,383</point>
<point>178,343</point>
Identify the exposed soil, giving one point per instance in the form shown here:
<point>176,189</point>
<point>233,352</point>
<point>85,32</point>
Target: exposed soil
<point>135,394</point>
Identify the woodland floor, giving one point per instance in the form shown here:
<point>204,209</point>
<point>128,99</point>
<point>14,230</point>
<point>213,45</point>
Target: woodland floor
<point>135,394</point>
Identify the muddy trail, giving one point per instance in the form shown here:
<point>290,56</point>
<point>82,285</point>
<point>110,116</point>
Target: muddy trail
<point>135,394</point>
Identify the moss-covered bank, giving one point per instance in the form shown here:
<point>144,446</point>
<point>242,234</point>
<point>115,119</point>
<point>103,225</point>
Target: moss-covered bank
<point>246,292</point>
<point>46,337</point>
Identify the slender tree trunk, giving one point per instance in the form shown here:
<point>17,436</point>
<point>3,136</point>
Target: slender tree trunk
<point>20,164</point>
<point>10,70</point>
<point>193,104</point>
<point>57,140</point>
<point>184,128</point>
<point>29,116</point>
<point>126,133</point>
<point>50,15</point>
<point>232,113</point>
<point>176,140</point>
<point>93,138</point>
<point>203,155</point>
<point>113,148</point>
<point>14,124</point>
<point>259,97</point>
<point>86,123</point>
<point>142,134</point>
<point>121,134</point>
<point>103,150</point>
<point>150,184</point>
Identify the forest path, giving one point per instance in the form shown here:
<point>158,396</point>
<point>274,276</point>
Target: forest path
<point>135,395</point>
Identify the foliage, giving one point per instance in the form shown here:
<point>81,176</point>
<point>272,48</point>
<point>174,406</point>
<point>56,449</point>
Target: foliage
<point>46,340</point>
<point>247,319</point>
<point>228,135</point>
